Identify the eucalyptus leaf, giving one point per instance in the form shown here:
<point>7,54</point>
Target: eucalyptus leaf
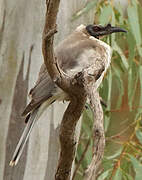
<point>106,122</point>
<point>104,175</point>
<point>118,175</point>
<point>140,76</point>
<point>128,176</point>
<point>137,167</point>
<point>134,24</point>
<point>106,14</point>
<point>90,5</point>
<point>132,83</point>
<point>120,52</point>
<point>87,122</point>
<point>134,21</point>
<point>132,44</point>
<point>140,15</point>
<point>140,99</point>
<point>109,80</point>
<point>113,40</point>
<point>139,135</point>
<point>118,7</point>
<point>88,156</point>
<point>118,75</point>
<point>116,154</point>
<point>78,156</point>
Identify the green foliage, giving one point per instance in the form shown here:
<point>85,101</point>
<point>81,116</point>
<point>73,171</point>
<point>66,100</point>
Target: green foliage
<point>137,167</point>
<point>122,92</point>
<point>88,6</point>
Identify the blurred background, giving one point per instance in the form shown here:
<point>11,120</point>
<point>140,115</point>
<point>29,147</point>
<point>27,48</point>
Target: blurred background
<point>122,92</point>
<point>21,26</point>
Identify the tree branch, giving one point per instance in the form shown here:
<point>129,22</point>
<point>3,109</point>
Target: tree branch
<point>61,79</point>
<point>98,135</point>
<point>77,88</point>
<point>72,85</point>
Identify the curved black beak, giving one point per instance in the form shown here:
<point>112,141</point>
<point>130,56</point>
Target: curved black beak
<point>108,29</point>
<point>117,29</point>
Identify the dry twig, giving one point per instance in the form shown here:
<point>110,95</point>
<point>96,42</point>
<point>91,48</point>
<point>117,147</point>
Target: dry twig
<point>99,137</point>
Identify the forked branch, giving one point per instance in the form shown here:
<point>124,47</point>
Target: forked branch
<point>77,88</point>
<point>73,87</point>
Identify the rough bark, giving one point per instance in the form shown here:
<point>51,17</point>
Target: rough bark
<point>75,91</point>
<point>98,135</point>
<point>77,88</point>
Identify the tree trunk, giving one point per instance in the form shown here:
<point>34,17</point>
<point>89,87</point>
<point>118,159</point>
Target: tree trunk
<point>21,29</point>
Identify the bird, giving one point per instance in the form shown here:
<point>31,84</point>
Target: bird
<point>80,49</point>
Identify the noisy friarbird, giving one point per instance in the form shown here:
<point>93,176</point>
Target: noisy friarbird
<point>80,49</point>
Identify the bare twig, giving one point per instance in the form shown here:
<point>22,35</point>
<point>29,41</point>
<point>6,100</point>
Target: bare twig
<point>67,133</point>
<point>99,137</point>
<point>47,43</point>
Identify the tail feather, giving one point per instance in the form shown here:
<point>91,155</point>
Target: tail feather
<point>24,138</point>
<point>35,114</point>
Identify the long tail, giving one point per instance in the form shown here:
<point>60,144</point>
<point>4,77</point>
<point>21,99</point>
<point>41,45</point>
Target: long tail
<point>23,139</point>
<point>30,124</point>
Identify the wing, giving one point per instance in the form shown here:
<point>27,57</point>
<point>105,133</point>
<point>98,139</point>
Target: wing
<point>44,89</point>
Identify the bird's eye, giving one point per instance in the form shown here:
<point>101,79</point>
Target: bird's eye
<point>96,28</point>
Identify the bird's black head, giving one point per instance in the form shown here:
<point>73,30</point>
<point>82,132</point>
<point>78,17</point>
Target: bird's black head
<point>98,30</point>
